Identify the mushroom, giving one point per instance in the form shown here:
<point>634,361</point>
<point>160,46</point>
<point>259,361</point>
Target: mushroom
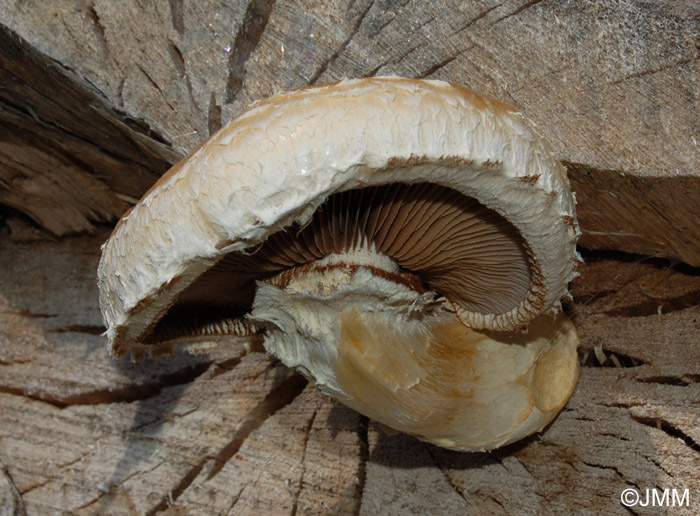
<point>404,244</point>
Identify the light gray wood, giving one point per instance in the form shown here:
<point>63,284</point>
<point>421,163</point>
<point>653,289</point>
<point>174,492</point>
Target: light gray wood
<point>612,85</point>
<point>98,98</point>
<point>234,433</point>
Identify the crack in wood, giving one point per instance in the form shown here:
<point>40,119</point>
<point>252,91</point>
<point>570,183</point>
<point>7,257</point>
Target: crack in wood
<point>177,58</point>
<point>249,34</point>
<point>520,9</point>
<point>237,498</point>
<point>125,124</point>
<point>353,31</point>
<point>6,389</point>
<point>225,366</point>
<point>623,404</point>
<point>376,69</point>
<point>38,486</point>
<point>190,91</point>
<point>601,357</point>
<point>652,71</point>
<point>446,474</point>
<point>98,27</point>
<point>14,362</point>
<point>214,121</point>
<point>657,464</point>
<point>179,61</point>
<point>437,66</point>
<point>396,59</point>
<point>29,314</point>
<point>658,306</point>
<point>71,462</point>
<point>668,429</point>
<point>127,394</point>
<point>307,435</point>
<point>678,381</point>
<point>20,508</point>
<point>616,436</point>
<point>155,85</point>
<point>493,499</point>
<point>281,396</point>
<point>177,16</point>
<point>169,499</point>
<point>524,466</point>
<point>617,472</point>
<point>361,475</point>
<point>478,17</point>
<point>89,329</point>
<point>92,502</point>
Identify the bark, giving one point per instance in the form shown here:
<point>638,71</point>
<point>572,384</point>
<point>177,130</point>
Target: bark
<point>98,97</point>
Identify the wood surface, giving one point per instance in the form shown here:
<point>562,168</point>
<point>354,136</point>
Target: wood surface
<point>237,433</point>
<point>99,96</point>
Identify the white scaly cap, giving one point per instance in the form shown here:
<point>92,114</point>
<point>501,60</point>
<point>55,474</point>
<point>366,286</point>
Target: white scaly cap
<point>276,164</point>
<point>330,187</point>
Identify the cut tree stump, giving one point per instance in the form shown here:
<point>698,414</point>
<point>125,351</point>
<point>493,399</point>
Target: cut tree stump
<point>98,98</point>
<point>239,433</point>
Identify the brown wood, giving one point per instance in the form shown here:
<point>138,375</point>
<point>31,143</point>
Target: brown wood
<point>67,159</point>
<point>99,96</point>
<point>236,433</point>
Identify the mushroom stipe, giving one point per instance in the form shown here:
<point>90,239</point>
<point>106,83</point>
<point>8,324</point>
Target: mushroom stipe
<point>404,244</point>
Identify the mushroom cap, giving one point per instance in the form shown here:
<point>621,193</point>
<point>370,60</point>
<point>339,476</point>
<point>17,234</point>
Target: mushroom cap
<point>272,167</point>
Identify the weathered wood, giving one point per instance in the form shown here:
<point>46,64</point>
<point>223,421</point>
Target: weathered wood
<point>650,215</point>
<point>229,432</point>
<point>98,97</point>
<point>612,85</point>
<point>67,159</point>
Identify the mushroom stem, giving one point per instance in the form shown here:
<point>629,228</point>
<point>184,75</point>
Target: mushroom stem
<point>441,383</point>
<point>368,337</point>
<point>299,309</point>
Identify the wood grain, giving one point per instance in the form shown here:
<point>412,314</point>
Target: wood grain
<point>612,85</point>
<point>98,98</point>
<point>237,433</point>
